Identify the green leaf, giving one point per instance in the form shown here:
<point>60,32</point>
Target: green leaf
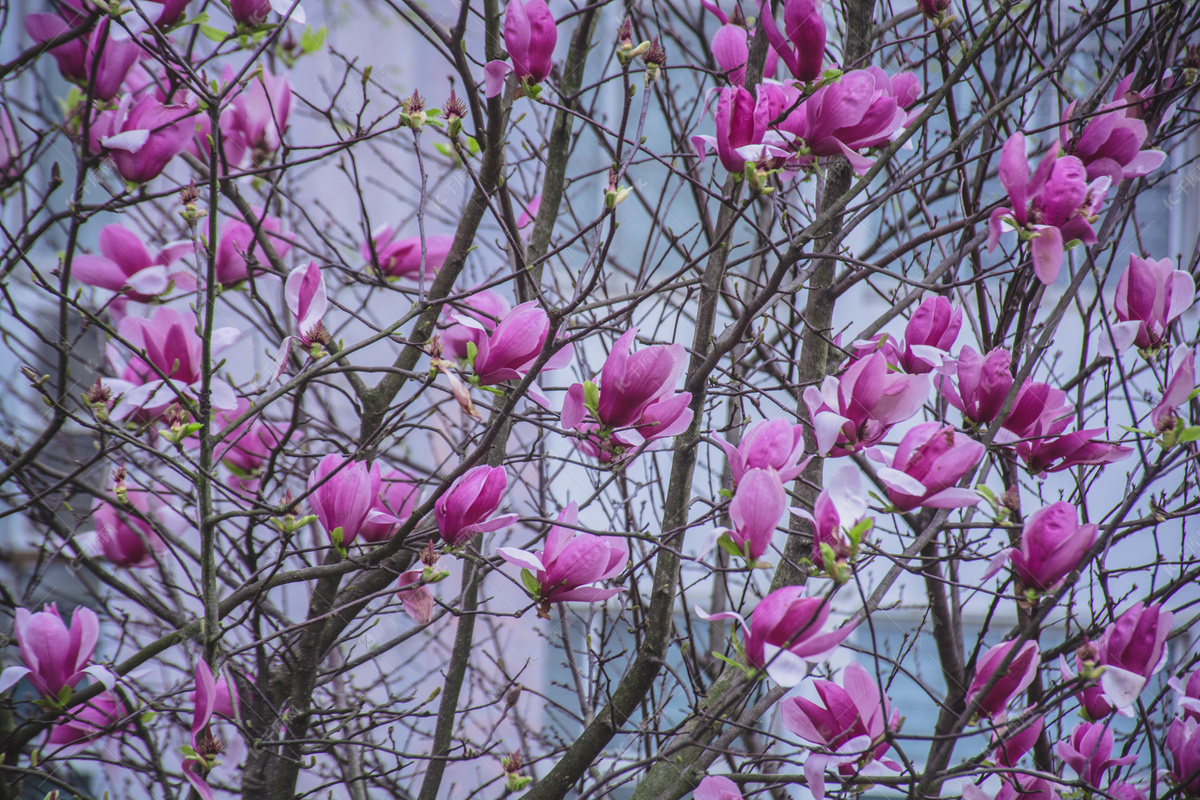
<point>1190,434</point>
<point>472,145</point>
<point>213,34</point>
<point>1195,393</point>
<point>531,583</point>
<point>860,530</point>
<point>726,493</point>
<point>828,557</point>
<point>311,41</point>
<point>472,352</point>
<point>729,546</point>
<point>444,149</point>
<point>591,397</point>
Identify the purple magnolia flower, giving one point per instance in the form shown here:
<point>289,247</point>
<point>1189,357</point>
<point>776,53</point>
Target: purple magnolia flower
<point>305,294</point>
<point>1052,544</point>
<point>927,463</point>
<point>1110,141</point>
<point>1178,390</point>
<point>250,12</point>
<point>509,351</point>
<point>124,264</point>
<point>248,447</point>
<point>1036,423</point>
<point>464,509</point>
<point>108,60</point>
<point>1012,747</point>
<point>717,787</point>
<point>730,45</point>
<point>757,505</point>
<point>401,258</point>
<point>929,335</point>
<point>1053,208</point>
<point>1088,753</point>
<point>485,307</point>
<point>95,718</point>
<point>636,396</point>
<point>775,444</point>
<point>859,408</point>
<point>1017,677</point>
<point>1183,744</point>
<point>237,247</point>
<point>1038,410</point>
<point>205,746</point>
<point>396,501</point>
<point>839,507</point>
<point>1189,695</point>
<point>72,56</point>
<point>346,500</point>
<point>1073,449</point>
<point>529,37</point>
<point>741,120</point>
<point>260,114</point>
<point>850,723</point>
<point>801,44</point>
<point>982,384</point>
<point>142,136</point>
<point>418,602</point>
<point>130,540</point>
<point>1150,295</point>
<point>55,656</point>
<point>172,349</point>
<point>1131,650</point>
<point>785,633</point>
<point>571,564</point>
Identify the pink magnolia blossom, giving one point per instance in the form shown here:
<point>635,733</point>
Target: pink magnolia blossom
<point>571,564</point>
<point>1183,745</point>
<point>775,444</point>
<point>929,335</point>
<point>849,723</point>
<point>484,306</point>
<point>306,298</point>
<point>237,246</point>
<point>172,349</point>
<point>785,633</point>
<point>1016,678</point>
<point>929,460</point>
<point>130,539</point>
<point>465,508</point>
<point>86,723</point>
<point>1109,142</point>
<point>859,408</point>
<point>72,56</point>
<point>418,602</point>
<point>1088,753</point>
<point>757,506</point>
<point>346,500</point>
<point>401,258</point>
<point>250,12</point>
<point>124,264</point>
<point>1054,207</point>
<point>249,446</point>
<point>142,136</point>
<point>730,45</point>
<point>1132,649</point>
<point>1077,448</point>
<point>801,44</point>
<point>205,746</point>
<point>981,385</point>
<point>1052,544</point>
<point>56,657</point>
<point>260,114</point>
<point>1178,389</point>
<point>101,60</point>
<point>529,37</point>
<point>839,507</point>
<point>507,352</point>
<point>741,121</point>
<point>1150,296</point>
<point>1037,410</point>
<point>717,787</point>
<point>1189,695</point>
<point>636,397</point>
<point>1024,736</point>
<point>396,501</point>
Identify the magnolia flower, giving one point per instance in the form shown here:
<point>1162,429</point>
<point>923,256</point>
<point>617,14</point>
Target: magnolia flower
<point>205,748</point>
<point>741,120</point>
<point>859,408</point>
<point>1109,142</point>
<point>508,351</point>
<point>758,503</point>
<point>250,12</point>
<point>418,602</point>
<point>142,136</point>
<point>401,258</point>
<point>785,633</point>
<point>929,335</point>
<point>248,447</point>
<point>56,657</point>
<point>1178,389</point>
<point>1021,741</point>
<point>801,45</point>
<point>1189,695</point>
<point>1183,745</point>
<point>464,509</point>
<point>1069,450</point>
<point>124,264</point>
<point>839,508</point>
<point>396,502</point>
<point>1037,410</point>
<point>775,444</point>
<point>485,307</point>
<point>717,787</point>
<point>1132,649</point>
<point>238,247</point>
<point>1150,296</point>
<point>72,56</point>
<point>130,540</point>
<point>260,114</point>
<point>730,45</point>
<point>306,298</point>
<point>529,38</point>
<point>172,363</point>
<point>88,722</point>
<point>1088,753</point>
<point>850,724</point>
<point>343,494</point>
<point>982,384</point>
<point>1017,676</point>
<point>636,397</point>
<point>1053,208</point>
<point>571,564</point>
<point>929,460</point>
<point>1052,544</point>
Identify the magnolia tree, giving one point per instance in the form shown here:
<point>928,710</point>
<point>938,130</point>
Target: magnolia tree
<point>600,399</point>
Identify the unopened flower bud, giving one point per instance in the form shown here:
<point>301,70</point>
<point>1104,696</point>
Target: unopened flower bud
<point>625,36</point>
<point>512,765</point>
<point>119,487</point>
<point>1191,64</point>
<point>614,195</point>
<point>188,196</point>
<point>1011,500</point>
